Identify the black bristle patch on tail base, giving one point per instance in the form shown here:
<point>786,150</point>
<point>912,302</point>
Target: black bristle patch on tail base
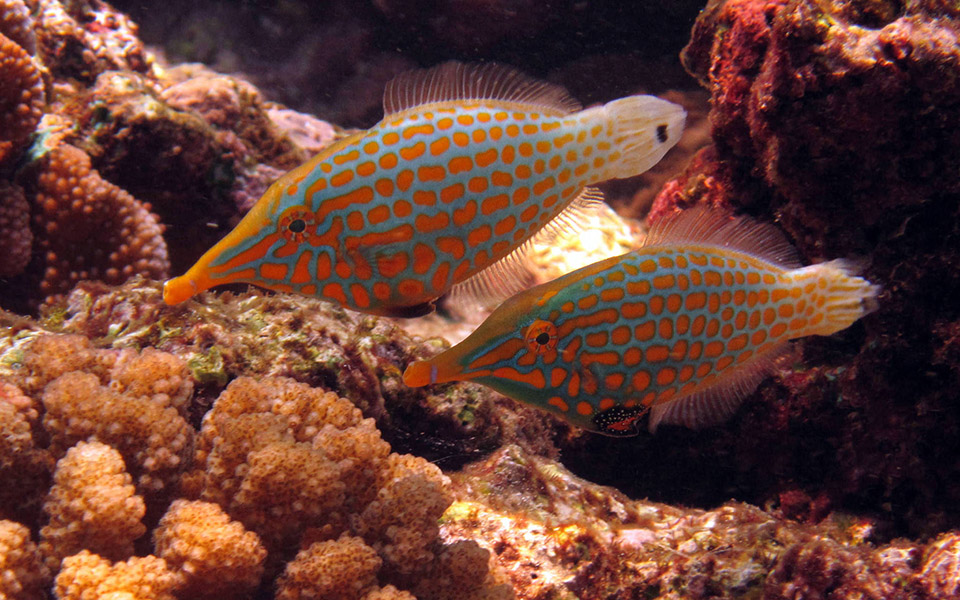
<point>620,421</point>
<point>661,133</point>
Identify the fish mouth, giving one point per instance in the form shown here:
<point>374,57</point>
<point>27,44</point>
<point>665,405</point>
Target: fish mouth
<point>191,283</point>
<point>428,372</point>
<point>179,289</point>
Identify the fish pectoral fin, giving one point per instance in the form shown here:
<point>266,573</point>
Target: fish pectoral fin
<point>410,312</point>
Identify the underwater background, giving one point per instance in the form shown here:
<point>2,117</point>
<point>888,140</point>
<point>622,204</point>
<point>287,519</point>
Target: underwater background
<point>246,444</point>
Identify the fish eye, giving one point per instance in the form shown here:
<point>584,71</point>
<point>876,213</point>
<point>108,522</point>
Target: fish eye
<point>294,224</point>
<point>541,336</point>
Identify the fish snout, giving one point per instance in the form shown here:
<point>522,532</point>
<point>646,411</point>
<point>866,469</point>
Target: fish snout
<point>426,372</point>
<point>419,374</point>
<point>178,289</point>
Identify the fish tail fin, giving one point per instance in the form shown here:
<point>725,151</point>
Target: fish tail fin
<point>641,130</point>
<point>848,296</point>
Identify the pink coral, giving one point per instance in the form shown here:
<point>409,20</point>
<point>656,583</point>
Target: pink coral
<point>21,97</point>
<point>16,24</point>
<point>388,593</point>
<point>24,466</point>
<point>284,480</point>
<point>159,376</point>
<point>401,523</point>
<point>75,208</point>
<point>16,239</point>
<point>49,356</point>
<point>92,505</point>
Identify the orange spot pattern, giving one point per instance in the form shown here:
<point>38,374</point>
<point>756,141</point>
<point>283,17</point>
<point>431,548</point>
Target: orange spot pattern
<point>707,323</point>
<point>419,202</point>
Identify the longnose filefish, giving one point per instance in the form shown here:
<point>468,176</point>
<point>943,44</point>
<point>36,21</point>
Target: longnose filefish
<point>467,166</point>
<point>683,328</point>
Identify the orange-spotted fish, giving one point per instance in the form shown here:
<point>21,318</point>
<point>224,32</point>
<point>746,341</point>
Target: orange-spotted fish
<point>467,165</point>
<point>683,327</point>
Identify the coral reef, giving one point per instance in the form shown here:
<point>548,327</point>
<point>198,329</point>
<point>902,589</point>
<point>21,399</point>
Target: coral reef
<point>92,505</point>
<point>270,451</point>
<point>848,110</point>
<point>86,575</point>
<point>22,573</point>
<point>22,98</point>
<point>278,467</point>
<point>15,237</point>
<point>216,557</point>
<point>72,206</point>
<point>339,569</point>
<point>559,535</point>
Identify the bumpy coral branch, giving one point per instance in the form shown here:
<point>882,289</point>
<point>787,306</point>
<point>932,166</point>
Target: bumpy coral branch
<point>88,228</point>
<point>335,570</point>
<point>153,438</point>
<point>217,557</point>
<point>16,24</point>
<point>86,575</point>
<point>24,468</point>
<point>21,97</point>
<point>15,236</point>
<point>22,574</point>
<point>92,505</point>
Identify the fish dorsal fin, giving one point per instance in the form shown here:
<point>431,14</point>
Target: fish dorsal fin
<point>718,227</point>
<point>511,274</point>
<point>488,81</point>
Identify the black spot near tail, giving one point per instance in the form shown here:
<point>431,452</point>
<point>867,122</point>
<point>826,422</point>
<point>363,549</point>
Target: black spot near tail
<point>661,133</point>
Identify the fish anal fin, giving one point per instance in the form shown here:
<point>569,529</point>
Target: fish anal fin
<point>512,273</point>
<point>717,403</point>
<point>718,227</point>
<point>488,81</point>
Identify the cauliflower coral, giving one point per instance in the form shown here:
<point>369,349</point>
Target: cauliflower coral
<point>92,505</point>
<point>285,489</point>
<point>217,557</point>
